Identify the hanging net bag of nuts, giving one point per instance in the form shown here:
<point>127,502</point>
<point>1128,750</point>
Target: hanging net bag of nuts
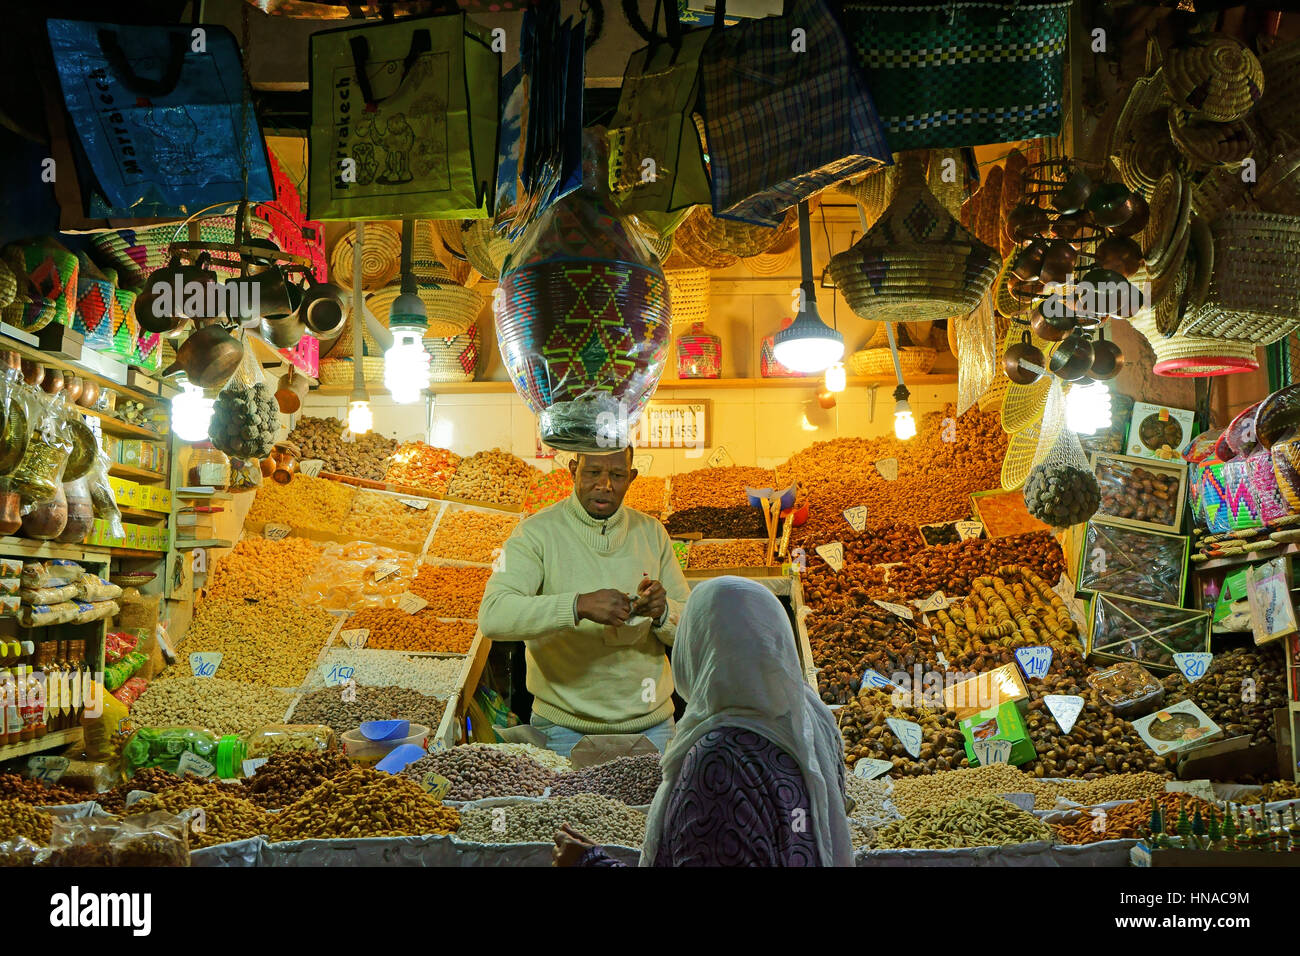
<point>1062,491</point>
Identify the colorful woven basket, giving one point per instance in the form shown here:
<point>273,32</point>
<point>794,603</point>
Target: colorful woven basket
<point>52,272</point>
<point>453,359</point>
<point>451,308</point>
<point>136,253</point>
<point>381,257</point>
<point>917,263</point>
<point>699,354</point>
<point>1215,77</point>
<point>8,284</point>
<point>688,295</point>
<point>876,362</point>
<point>768,366</point>
<point>147,353</point>
<point>93,317</point>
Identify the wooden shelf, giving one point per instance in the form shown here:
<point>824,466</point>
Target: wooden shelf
<point>32,548</point>
<point>147,515</point>
<point>57,361</point>
<point>137,553</point>
<point>195,545</point>
<point>59,739</point>
<point>1246,557</point>
<point>115,426</point>
<point>812,382</point>
<point>130,471</point>
<point>197,496</point>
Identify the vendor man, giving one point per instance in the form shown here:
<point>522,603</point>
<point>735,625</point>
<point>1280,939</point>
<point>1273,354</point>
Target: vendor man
<point>593,590</point>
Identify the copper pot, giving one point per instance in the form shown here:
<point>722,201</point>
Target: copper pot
<point>284,457</point>
<point>33,372</point>
<point>1058,260</point>
<point>1026,221</point>
<point>1139,214</point>
<point>72,386</point>
<point>1028,264</point>
<point>89,393</point>
<point>1023,351</point>
<point>1111,205</point>
<point>267,466</point>
<point>1074,195</point>
<point>1107,360</point>
<point>52,383</point>
<point>1051,327</point>
<point>10,519</point>
<point>208,357</point>
<point>1119,254</point>
<point>292,390</point>
<point>1072,359</point>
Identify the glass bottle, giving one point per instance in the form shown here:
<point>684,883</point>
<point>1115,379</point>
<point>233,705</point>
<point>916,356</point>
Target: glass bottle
<point>207,466</point>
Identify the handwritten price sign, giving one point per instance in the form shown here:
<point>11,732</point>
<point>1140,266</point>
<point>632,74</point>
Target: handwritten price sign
<point>205,663</point>
<point>856,517</point>
<point>868,768</point>
<point>832,554</point>
<point>992,751</point>
<point>354,638</point>
<point>336,674</point>
<point>1065,708</point>
<point>311,467</point>
<point>1193,664</point>
<point>1034,661</point>
<point>276,532</point>
<point>908,733</point>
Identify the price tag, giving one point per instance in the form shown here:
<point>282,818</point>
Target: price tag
<point>419,504</point>
<point>898,609</point>
<point>1025,801</point>
<point>908,733</point>
<point>135,796</point>
<point>721,458</point>
<point>1034,661</point>
<point>251,765</point>
<point>354,638</point>
<point>435,784</point>
<point>276,532</point>
<point>1065,708</point>
<point>642,463</point>
<point>856,517</point>
<point>1197,788</point>
<point>336,674</point>
<point>935,602</point>
<point>193,763</point>
<point>410,603</point>
<point>311,467</point>
<point>873,678</point>
<point>1193,664</point>
<point>992,751</point>
<point>832,554</point>
<point>386,570</point>
<point>205,663</point>
<point>869,768</point>
<point>969,530</point>
<point>47,770</point>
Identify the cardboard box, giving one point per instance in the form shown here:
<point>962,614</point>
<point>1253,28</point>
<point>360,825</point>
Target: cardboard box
<point>130,452</point>
<point>1003,722</point>
<point>1159,431</point>
<point>128,493</point>
<point>1123,491</point>
<point>192,525</point>
<point>988,690</point>
<point>1176,727</point>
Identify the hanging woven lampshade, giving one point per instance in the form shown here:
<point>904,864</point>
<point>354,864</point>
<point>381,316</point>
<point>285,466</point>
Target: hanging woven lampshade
<point>583,321</point>
<point>917,263</point>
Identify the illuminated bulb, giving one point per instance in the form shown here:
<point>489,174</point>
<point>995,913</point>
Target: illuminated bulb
<point>406,366</point>
<point>360,418</point>
<point>904,423</point>
<point>1087,407</point>
<point>836,379</point>
<point>191,413</point>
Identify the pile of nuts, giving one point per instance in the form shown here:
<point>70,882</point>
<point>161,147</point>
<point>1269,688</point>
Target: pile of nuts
<point>727,554</point>
<point>605,821</point>
<point>151,779</point>
<point>226,817</point>
<point>739,521</point>
<point>451,592</point>
<point>286,777</point>
<point>384,518</point>
<point>494,476</point>
<point>646,494</point>
<point>434,676</point>
<point>18,819</point>
<point>547,758</point>
<point>1239,691</point>
<point>261,568</point>
<point>306,503</point>
<point>328,707</point>
<point>222,706</point>
<point>25,790</point>
<point>363,803</point>
<point>393,629</point>
<point>968,822</point>
<point>351,576</point>
<point>423,467</point>
<point>1132,820</point>
<point>273,642</point>
<point>873,804</point>
<point>322,438</point>
<point>476,773</point>
<point>717,487</point>
<point>939,789</point>
<point>632,780</point>
<point>471,535</point>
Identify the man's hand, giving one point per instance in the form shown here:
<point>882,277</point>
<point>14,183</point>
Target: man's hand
<point>651,599</point>
<point>607,606</point>
<point>569,847</point>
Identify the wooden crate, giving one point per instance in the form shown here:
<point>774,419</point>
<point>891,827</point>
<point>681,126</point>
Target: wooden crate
<point>997,525</point>
<point>1176,469</point>
<point>747,571</point>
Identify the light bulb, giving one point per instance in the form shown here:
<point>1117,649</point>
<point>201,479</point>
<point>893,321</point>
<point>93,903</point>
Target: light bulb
<point>812,352</point>
<point>836,379</point>
<point>1087,407</point>
<point>406,366</point>
<point>191,413</point>
<point>360,418</point>
<point>904,423</point>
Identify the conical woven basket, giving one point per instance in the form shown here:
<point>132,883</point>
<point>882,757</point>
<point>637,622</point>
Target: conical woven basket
<point>485,250</point>
<point>718,243</point>
<point>688,291</point>
<point>915,334</point>
<point>381,257</point>
<point>1013,191</point>
<point>1215,77</point>
<point>430,250</point>
<point>453,359</point>
<point>778,260</point>
<point>876,362</point>
<point>1209,143</point>
<point>951,192</point>
<point>917,263</point>
<point>872,192</point>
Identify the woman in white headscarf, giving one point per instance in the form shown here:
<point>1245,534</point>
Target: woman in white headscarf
<point>754,775</point>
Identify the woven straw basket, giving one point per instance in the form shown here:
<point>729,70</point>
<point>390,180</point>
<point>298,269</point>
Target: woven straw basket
<point>917,263</point>
<point>430,250</point>
<point>1209,143</point>
<point>485,250</point>
<point>381,257</point>
<point>453,359</point>
<point>1279,184</point>
<point>1277,110</point>
<point>338,372</point>
<point>135,253</point>
<point>915,334</point>
<point>451,308</point>
<point>912,361</point>
<point>1254,293</point>
<point>1214,77</point>
<point>688,291</point>
<point>719,243</point>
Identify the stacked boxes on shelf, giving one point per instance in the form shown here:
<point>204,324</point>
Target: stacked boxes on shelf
<point>137,453</point>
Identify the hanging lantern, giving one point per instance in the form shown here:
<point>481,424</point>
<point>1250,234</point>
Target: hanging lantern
<point>582,316</point>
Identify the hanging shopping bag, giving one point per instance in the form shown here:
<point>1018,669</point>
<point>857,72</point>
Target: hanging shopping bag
<point>961,73</point>
<point>656,160</point>
<point>161,116</point>
<point>403,120</point>
<point>786,112</point>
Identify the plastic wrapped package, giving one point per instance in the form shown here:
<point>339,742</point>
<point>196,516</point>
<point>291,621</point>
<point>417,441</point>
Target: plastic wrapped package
<point>94,588</point>
<point>278,738</point>
<point>20,852</point>
<point>164,746</point>
<point>65,592</point>
<point>90,776</point>
<point>44,615</point>
<point>1132,562</point>
<point>115,675</point>
<point>350,577</point>
<point>10,585</point>
<point>53,573</point>
<point>104,737</point>
<point>117,644</point>
<point>130,691</point>
<point>17,403</point>
<point>81,511</point>
<point>85,446</point>
<point>46,519</point>
<point>245,474</point>
<point>102,498</point>
<point>1127,629</point>
<point>88,611</point>
<point>146,839</point>
<point>1141,490</point>
<point>39,475</point>
<point>583,320</point>
<point>1129,689</point>
<point>11,568</point>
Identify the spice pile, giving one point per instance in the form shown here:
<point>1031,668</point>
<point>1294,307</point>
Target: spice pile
<point>478,773</point>
<point>388,520</point>
<point>606,821</point>
<point>451,592</point>
<point>261,568</point>
<point>471,535</point>
<point>727,554</point>
<point>393,629</point>
<point>305,504</point>
<point>362,457</point>
<point>423,467</point>
<point>273,642</point>
<point>363,803</point>
<point>740,521</point>
<point>151,779</point>
<point>434,676</point>
<point>494,476</point>
<point>646,494</point>
<point>327,706</point>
